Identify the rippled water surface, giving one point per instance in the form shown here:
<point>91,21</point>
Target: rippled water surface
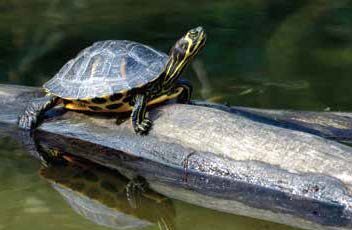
<point>268,54</point>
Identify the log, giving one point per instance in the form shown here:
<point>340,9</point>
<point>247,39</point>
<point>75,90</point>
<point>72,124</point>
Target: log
<point>236,162</point>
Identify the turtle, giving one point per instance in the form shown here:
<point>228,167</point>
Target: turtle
<point>118,76</point>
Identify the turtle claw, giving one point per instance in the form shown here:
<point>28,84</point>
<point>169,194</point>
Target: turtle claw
<point>27,121</point>
<point>134,190</point>
<point>144,127</point>
<point>147,123</point>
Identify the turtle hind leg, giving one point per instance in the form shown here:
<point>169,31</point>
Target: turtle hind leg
<point>35,110</point>
<point>186,93</point>
<point>33,147</point>
<point>140,123</point>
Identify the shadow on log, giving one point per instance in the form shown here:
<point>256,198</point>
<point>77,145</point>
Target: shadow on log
<point>242,161</point>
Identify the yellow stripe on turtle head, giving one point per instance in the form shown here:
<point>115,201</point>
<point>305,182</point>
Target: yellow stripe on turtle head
<point>183,52</point>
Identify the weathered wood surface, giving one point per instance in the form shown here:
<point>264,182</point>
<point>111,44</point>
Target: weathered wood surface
<point>332,125</point>
<point>237,162</point>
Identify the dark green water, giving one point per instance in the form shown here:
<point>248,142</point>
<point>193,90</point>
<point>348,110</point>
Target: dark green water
<point>268,54</point>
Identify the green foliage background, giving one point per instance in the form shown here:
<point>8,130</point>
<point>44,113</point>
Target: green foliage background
<point>272,54</point>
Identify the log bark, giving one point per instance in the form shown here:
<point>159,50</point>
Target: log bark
<point>265,164</point>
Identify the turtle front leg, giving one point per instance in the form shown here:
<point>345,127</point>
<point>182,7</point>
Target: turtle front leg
<point>134,190</point>
<point>35,110</point>
<point>140,123</point>
<point>186,94</point>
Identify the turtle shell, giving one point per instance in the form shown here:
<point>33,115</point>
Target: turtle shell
<point>105,68</point>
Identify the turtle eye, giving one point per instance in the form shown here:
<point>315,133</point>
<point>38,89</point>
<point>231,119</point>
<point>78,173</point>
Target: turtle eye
<point>193,34</point>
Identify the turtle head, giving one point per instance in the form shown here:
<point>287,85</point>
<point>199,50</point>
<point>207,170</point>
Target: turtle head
<point>189,45</point>
<point>183,52</point>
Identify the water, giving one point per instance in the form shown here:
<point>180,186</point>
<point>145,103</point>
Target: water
<point>267,54</point>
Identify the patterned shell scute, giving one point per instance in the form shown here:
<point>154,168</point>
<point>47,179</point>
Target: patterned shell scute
<point>105,68</point>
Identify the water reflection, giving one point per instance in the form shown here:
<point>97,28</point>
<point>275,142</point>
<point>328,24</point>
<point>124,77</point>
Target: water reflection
<point>100,195</point>
<point>27,197</point>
